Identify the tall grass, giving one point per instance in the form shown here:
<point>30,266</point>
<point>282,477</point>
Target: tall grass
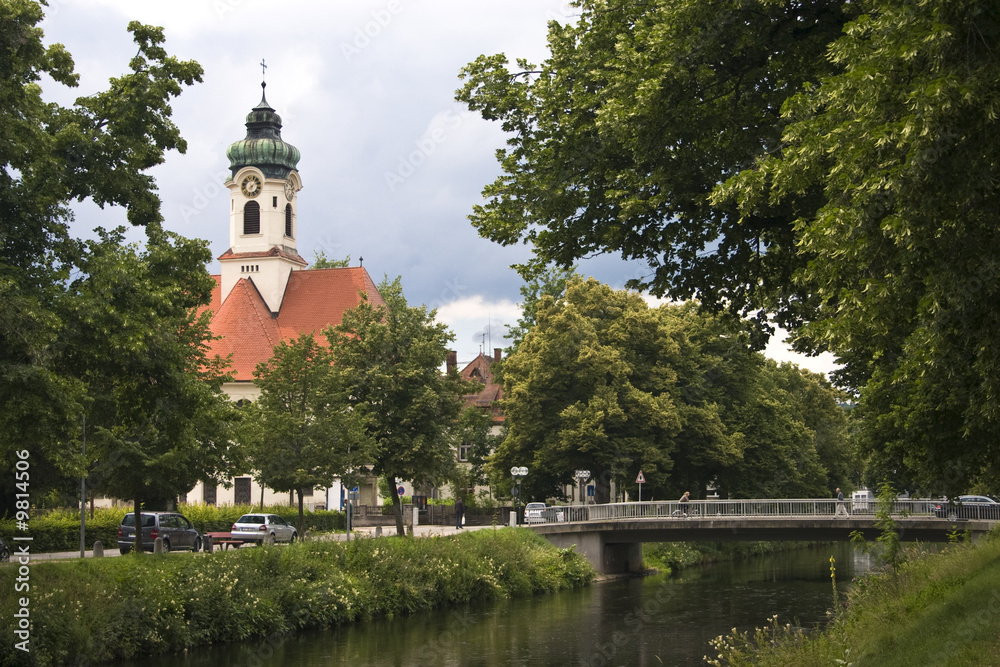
<point>934,609</point>
<point>104,609</point>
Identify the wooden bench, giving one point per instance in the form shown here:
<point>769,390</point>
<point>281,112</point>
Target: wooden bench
<point>224,540</point>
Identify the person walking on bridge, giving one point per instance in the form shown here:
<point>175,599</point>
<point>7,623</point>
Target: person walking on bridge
<point>841,508</point>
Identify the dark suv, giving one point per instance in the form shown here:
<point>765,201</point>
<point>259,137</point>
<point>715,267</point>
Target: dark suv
<point>176,531</point>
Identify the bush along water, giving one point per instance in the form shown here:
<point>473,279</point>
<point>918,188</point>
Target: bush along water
<point>93,610</point>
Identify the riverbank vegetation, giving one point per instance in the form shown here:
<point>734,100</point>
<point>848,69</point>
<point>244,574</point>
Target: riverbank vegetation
<point>106,609</point>
<point>936,609</point>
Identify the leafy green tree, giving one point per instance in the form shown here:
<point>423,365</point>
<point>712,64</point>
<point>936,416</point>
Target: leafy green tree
<point>99,148</point>
<point>606,383</point>
<point>778,448</point>
<point>617,140</point>
<point>302,433</point>
<point>825,163</point>
<point>157,419</point>
<point>590,387</point>
<point>390,356</point>
<point>322,262</point>
<point>539,283</point>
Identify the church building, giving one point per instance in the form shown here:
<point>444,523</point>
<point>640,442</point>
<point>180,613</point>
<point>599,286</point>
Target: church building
<point>265,292</point>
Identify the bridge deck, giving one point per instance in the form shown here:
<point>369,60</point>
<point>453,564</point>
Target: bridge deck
<point>805,529</point>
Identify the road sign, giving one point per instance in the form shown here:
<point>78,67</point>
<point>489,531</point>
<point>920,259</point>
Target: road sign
<point>400,490</point>
<point>640,479</point>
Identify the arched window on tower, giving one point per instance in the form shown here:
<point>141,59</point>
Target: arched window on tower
<point>288,220</point>
<point>251,218</point>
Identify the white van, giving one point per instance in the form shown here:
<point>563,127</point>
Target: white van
<point>863,500</point>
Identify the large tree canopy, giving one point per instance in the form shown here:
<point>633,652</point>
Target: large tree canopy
<point>827,164</point>
<point>605,383</point>
<point>97,149</point>
<point>156,417</point>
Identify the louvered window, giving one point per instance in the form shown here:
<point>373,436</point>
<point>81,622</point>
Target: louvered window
<point>288,220</point>
<point>251,218</point>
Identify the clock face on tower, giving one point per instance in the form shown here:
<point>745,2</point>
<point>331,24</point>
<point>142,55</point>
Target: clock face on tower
<point>250,186</point>
<point>289,190</point>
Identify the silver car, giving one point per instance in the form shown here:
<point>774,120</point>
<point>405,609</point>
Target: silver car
<point>263,529</point>
<point>535,513</point>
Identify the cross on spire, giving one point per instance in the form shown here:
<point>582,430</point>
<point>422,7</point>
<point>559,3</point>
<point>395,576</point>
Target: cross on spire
<point>263,69</point>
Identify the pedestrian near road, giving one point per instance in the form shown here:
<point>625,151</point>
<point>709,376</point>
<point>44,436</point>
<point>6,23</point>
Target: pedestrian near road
<point>841,508</point>
<point>459,513</point>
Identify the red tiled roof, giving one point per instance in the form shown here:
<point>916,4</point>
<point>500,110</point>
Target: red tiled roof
<point>479,370</point>
<point>313,300</point>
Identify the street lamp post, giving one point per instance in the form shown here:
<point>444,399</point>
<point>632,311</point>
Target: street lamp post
<point>517,473</point>
<point>581,477</point>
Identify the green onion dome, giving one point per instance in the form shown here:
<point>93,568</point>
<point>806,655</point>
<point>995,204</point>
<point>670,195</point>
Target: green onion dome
<point>263,147</point>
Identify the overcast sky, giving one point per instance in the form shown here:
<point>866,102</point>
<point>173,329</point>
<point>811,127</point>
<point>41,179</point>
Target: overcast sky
<point>391,165</point>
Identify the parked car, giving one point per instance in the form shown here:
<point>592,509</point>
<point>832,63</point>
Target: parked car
<point>263,529</point>
<point>968,507</point>
<point>175,529</point>
<point>535,512</point>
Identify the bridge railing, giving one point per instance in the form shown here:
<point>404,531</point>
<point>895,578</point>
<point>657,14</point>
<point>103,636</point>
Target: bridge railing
<point>801,507</point>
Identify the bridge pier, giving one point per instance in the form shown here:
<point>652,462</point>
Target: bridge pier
<point>605,556</point>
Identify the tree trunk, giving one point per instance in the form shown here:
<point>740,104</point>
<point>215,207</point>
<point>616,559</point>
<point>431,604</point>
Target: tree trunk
<point>397,506</point>
<point>137,548</point>
<point>301,514</point>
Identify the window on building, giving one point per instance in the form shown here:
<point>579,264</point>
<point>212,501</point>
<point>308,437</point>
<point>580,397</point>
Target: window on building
<point>251,218</point>
<point>242,493</point>
<point>463,452</point>
<point>288,220</point>
<point>209,494</point>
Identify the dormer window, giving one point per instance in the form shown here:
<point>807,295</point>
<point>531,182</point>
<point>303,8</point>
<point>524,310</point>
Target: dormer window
<point>251,218</point>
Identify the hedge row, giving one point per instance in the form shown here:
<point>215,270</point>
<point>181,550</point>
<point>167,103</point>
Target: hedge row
<point>60,530</point>
<point>92,610</point>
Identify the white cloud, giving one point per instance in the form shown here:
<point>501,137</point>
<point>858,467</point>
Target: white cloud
<point>479,325</point>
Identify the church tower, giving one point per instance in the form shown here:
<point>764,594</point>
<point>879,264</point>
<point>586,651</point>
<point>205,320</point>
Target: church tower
<point>263,189</point>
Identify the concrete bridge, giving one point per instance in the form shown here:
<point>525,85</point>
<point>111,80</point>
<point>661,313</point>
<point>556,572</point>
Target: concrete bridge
<point>611,536</point>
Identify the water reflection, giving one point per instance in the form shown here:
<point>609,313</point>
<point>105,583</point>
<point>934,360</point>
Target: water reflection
<point>656,620</point>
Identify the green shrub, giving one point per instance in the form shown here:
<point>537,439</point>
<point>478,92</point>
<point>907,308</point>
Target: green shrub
<point>107,609</point>
<point>59,530</point>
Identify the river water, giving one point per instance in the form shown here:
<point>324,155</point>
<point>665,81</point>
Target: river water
<point>656,620</point>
